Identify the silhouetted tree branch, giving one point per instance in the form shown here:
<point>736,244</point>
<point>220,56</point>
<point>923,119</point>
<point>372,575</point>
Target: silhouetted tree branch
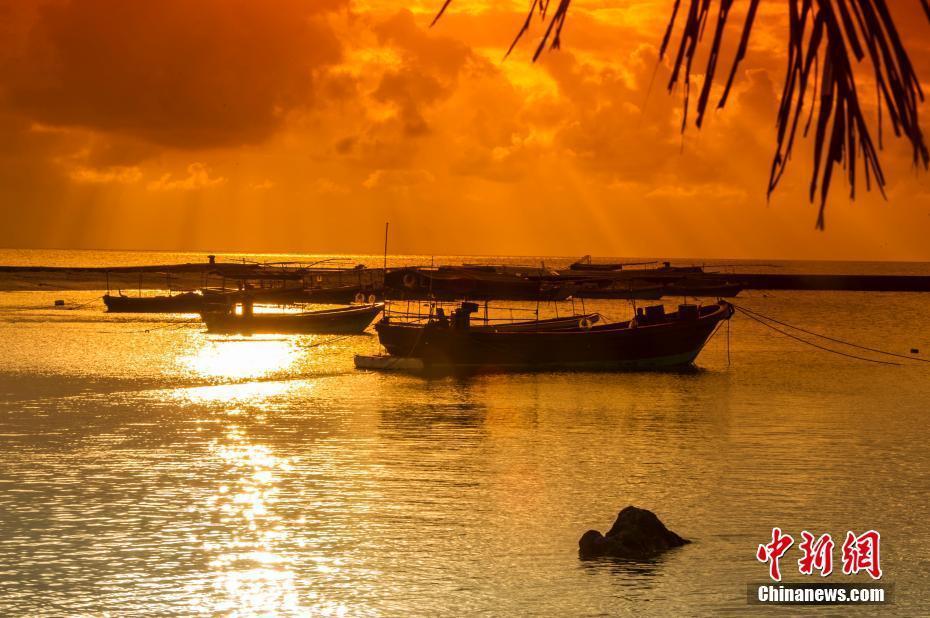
<point>826,40</point>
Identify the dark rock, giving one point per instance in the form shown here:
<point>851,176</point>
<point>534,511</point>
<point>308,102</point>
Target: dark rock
<point>637,534</point>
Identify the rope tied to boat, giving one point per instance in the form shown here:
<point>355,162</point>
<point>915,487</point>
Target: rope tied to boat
<point>81,306</point>
<point>769,322</point>
<point>171,326</point>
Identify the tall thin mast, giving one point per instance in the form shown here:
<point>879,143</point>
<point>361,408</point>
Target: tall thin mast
<point>384,286</point>
<point>387,224</point>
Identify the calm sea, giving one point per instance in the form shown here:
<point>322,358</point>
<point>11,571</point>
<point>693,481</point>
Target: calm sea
<point>147,468</point>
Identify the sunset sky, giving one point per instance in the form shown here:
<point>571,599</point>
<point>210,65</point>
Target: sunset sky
<point>303,126</point>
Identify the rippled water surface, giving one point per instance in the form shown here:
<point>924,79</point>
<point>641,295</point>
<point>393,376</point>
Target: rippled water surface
<point>148,468</point>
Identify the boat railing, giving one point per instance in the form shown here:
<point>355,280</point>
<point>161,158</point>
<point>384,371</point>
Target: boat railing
<point>421,312</point>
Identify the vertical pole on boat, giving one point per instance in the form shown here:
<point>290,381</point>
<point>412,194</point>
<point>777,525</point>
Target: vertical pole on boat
<point>633,299</point>
<point>387,224</point>
<point>108,282</point>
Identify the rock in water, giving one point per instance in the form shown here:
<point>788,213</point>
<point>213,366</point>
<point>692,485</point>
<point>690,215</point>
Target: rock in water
<point>637,533</point>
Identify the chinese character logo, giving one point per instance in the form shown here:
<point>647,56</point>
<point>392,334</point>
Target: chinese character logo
<point>818,554</point>
<point>772,552</point>
<point>861,553</point>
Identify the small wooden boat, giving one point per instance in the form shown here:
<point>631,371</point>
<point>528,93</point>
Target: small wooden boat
<point>652,340</point>
<point>187,302</point>
<point>585,263</point>
<point>353,319</point>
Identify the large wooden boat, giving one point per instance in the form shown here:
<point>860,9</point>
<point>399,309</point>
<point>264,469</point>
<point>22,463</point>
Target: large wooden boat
<point>652,340</point>
<point>353,319</point>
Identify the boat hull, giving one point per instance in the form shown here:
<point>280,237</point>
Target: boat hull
<point>672,343</point>
<point>339,321</point>
<point>181,303</point>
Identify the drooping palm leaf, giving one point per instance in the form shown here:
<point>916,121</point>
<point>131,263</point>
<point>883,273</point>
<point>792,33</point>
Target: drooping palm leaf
<point>827,39</point>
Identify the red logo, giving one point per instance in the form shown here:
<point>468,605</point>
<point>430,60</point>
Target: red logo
<point>860,553</point>
<point>818,554</point>
<point>773,552</point>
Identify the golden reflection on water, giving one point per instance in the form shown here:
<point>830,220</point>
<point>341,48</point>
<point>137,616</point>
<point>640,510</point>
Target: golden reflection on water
<point>252,547</point>
<point>243,392</point>
<point>241,358</point>
<point>252,574</point>
<point>251,571</point>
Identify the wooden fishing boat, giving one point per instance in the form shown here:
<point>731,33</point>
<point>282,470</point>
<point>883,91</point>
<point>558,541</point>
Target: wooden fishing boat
<point>187,302</point>
<point>456,283</point>
<point>652,340</point>
<point>353,319</point>
<point>585,265</point>
<point>342,294</point>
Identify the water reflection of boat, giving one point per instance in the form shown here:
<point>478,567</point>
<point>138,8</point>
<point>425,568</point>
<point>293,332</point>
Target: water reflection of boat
<point>652,340</point>
<point>353,319</point>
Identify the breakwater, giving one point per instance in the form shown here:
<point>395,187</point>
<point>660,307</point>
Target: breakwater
<point>849,283</point>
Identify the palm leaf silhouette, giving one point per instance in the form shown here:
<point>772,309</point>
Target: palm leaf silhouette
<point>827,40</point>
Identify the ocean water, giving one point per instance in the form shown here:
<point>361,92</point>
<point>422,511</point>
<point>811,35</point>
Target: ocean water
<point>147,468</point>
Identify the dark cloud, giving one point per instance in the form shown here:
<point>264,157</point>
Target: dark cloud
<point>174,72</point>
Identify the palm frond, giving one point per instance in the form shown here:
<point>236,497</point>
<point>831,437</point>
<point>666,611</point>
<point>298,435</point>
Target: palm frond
<point>827,41</point>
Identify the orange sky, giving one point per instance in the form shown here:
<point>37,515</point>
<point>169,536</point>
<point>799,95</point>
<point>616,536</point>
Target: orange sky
<point>303,125</point>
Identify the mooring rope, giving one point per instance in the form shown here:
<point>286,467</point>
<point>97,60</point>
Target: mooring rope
<point>833,339</point>
<point>811,343</point>
<point>172,326</point>
<point>54,307</point>
<point>328,341</point>
<point>81,306</point>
